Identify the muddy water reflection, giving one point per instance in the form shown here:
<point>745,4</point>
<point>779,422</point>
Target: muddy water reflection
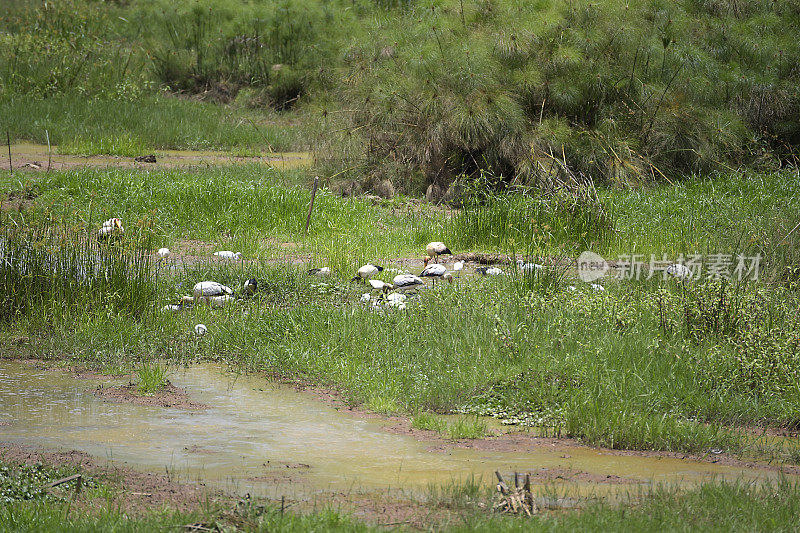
<point>268,439</point>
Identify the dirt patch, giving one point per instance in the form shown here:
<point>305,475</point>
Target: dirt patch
<point>32,158</point>
<point>18,200</point>
<point>169,396</point>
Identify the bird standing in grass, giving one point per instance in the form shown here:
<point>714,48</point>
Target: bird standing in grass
<point>320,272</point>
<point>227,254</point>
<point>528,267</point>
<point>367,271</point>
<point>458,266</point>
<point>435,272</point>
<point>407,282</point>
<point>380,285</point>
<point>206,290</point>
<point>679,272</point>
<point>488,271</point>
<point>435,249</point>
<point>111,228</point>
<point>249,287</point>
<point>163,253</point>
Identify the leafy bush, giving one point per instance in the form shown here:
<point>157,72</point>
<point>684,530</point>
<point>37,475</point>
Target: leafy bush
<point>747,335</point>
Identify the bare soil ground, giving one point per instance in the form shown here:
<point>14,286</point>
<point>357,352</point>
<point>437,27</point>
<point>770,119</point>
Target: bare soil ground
<point>28,157</point>
<point>169,396</point>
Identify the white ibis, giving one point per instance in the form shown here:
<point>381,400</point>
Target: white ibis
<point>227,254</point>
<point>163,253</point>
<point>367,271</point>
<point>397,297</point>
<point>528,267</point>
<point>679,272</point>
<point>407,282</point>
<point>435,249</point>
<point>320,272</point>
<point>488,271</point>
<point>380,285</point>
<point>200,329</point>
<point>220,300</point>
<point>458,266</point>
<point>205,290</point>
<point>249,287</point>
<point>111,227</point>
<point>436,271</point>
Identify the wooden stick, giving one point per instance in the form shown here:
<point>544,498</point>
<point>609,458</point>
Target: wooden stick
<point>502,483</point>
<point>8,141</point>
<point>311,205</point>
<point>49,152</point>
<point>63,480</point>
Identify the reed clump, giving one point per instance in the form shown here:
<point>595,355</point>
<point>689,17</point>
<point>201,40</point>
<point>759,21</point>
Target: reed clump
<point>53,271</point>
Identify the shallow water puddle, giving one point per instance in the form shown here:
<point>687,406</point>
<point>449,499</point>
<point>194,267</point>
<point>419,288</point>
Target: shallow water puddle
<point>269,439</point>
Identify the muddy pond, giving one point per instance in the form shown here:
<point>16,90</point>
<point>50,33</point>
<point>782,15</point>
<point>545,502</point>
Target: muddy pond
<point>269,439</point>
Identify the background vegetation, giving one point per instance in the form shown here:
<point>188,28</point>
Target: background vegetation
<point>421,93</point>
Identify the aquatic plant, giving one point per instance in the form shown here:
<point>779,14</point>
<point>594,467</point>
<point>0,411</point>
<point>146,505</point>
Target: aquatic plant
<point>152,377</point>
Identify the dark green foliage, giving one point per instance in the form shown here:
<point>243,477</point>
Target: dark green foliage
<point>425,92</point>
<point>20,482</point>
<point>623,91</point>
<point>68,46</point>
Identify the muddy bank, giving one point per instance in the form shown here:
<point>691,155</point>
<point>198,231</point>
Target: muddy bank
<point>514,439</point>
<point>169,396</point>
<point>138,492</point>
<point>34,158</point>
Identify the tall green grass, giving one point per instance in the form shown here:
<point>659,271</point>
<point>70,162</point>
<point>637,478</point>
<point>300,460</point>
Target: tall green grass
<point>625,92</point>
<point>54,270</point>
<point>622,91</point>
<point>123,127</point>
<point>152,377</point>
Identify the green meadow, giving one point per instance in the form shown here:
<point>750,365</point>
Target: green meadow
<point>650,131</point>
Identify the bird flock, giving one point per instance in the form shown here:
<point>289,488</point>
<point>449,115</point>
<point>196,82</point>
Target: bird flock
<point>392,295</point>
